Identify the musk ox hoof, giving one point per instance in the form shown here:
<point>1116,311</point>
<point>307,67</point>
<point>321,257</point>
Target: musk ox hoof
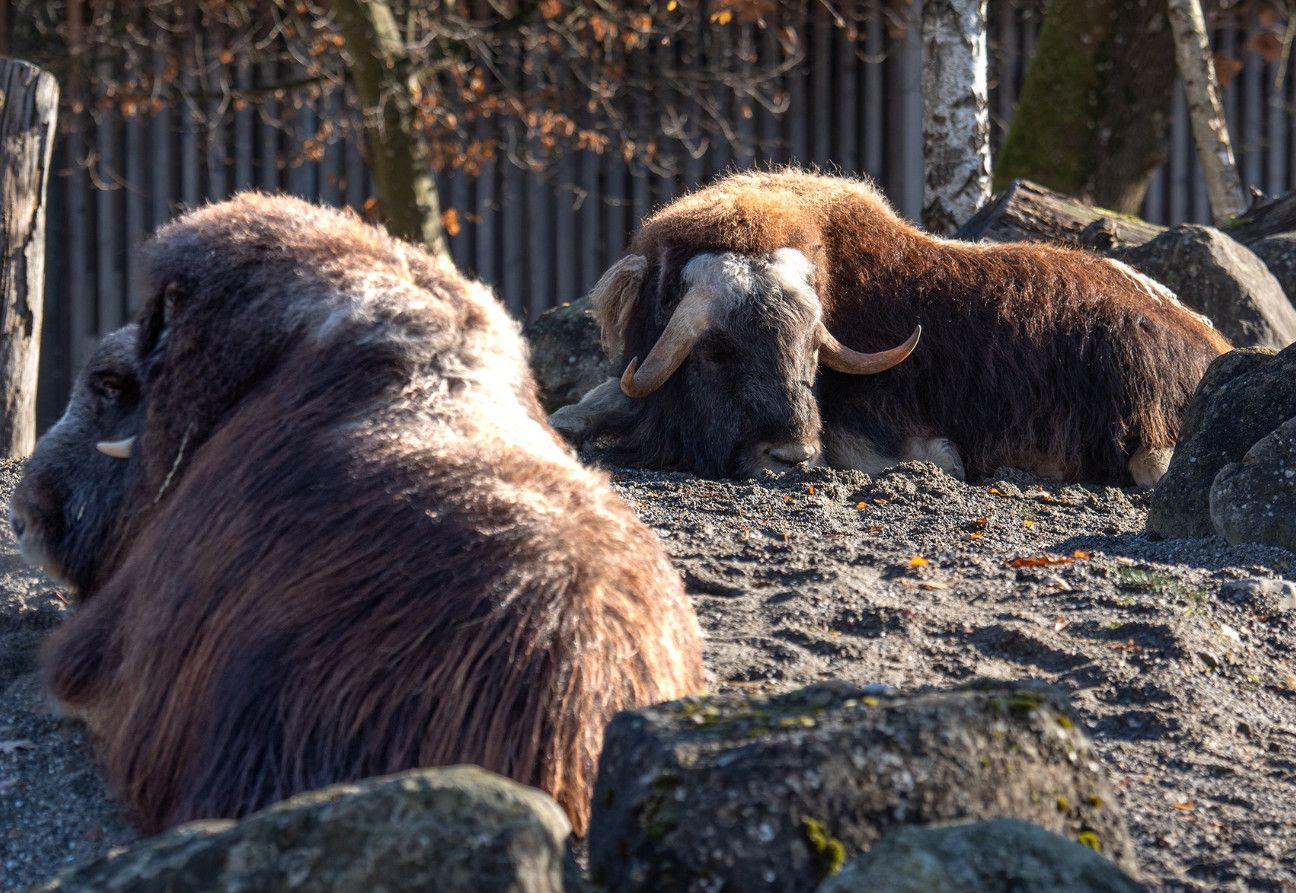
<point>571,423</point>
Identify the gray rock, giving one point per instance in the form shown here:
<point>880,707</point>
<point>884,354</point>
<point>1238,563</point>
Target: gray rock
<point>1244,395</point>
<point>1254,501</point>
<point>998,856</point>
<point>1278,253</point>
<point>1262,595</point>
<point>739,792</point>
<point>455,829</point>
<point>566,356</point>
<point>1222,279</point>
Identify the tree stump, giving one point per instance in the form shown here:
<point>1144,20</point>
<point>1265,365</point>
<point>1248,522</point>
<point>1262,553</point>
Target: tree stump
<point>1027,212</point>
<point>28,108</point>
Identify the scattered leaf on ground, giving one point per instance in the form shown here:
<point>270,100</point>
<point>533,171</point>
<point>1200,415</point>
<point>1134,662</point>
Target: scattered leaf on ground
<point>1040,560</point>
<point>918,561</point>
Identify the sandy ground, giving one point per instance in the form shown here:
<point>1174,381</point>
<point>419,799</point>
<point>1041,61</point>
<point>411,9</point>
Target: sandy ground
<point>1176,659</point>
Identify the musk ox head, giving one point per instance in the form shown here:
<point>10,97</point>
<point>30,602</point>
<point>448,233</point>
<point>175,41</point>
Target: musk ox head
<point>69,499</point>
<point>722,351</point>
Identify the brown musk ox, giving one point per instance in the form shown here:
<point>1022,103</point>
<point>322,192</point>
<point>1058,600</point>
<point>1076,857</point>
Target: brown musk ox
<point>730,299</point>
<point>350,544</point>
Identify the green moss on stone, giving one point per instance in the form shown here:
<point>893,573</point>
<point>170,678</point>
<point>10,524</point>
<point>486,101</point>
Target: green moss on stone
<point>829,852</point>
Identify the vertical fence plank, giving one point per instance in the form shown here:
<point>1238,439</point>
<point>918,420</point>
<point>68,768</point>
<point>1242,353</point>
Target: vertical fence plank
<point>108,211</point>
<point>243,145</point>
<point>874,133</point>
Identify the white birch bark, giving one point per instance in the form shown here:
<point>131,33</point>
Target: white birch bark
<point>956,112</point>
<point>1210,130</point>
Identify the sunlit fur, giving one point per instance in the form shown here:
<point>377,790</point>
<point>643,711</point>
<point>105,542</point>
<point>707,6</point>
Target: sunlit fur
<point>352,545</point>
<point>1031,355</point>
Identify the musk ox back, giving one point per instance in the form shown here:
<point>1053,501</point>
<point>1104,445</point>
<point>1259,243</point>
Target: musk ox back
<point>351,545</point>
<point>731,298</point>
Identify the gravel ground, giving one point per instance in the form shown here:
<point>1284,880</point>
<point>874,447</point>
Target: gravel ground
<point>1176,656</point>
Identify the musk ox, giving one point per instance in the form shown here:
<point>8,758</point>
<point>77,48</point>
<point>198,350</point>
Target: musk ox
<point>732,297</point>
<point>69,499</point>
<point>350,544</point>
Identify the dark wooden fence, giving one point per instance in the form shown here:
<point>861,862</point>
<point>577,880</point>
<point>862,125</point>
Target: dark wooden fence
<point>542,238</point>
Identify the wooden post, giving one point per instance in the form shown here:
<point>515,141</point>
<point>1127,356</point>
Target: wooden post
<point>28,107</point>
<point>1210,129</point>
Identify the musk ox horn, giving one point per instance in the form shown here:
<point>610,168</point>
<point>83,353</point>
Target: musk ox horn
<point>687,324</point>
<point>836,355</point>
<point>118,449</point>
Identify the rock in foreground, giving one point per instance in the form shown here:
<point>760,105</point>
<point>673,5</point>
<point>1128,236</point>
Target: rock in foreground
<point>753,793</point>
<point>998,856</point>
<point>456,829</point>
<point>1254,501</point>
<point>1243,396</point>
<point>1222,279</point>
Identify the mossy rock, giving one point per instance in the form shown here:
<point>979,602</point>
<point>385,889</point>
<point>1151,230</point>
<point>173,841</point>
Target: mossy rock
<point>738,792</point>
<point>1254,501</point>
<point>1278,253</point>
<point>1243,396</point>
<point>455,830</point>
<point>1222,279</point>
<point>998,856</point>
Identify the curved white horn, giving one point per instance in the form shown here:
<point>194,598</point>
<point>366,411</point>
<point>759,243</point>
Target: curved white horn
<point>687,324</point>
<point>118,449</point>
<point>840,357</point>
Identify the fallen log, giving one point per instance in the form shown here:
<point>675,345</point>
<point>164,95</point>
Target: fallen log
<point>1027,212</point>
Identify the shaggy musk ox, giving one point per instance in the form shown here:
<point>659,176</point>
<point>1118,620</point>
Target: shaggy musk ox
<point>350,544</point>
<point>1030,355</point>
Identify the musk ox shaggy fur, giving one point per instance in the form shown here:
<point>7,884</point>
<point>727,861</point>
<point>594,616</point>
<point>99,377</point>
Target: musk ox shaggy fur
<point>731,297</point>
<point>350,544</point>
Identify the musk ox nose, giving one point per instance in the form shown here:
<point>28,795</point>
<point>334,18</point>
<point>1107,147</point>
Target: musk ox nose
<point>791,453</point>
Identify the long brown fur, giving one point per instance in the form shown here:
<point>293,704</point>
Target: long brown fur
<point>1030,354</point>
<point>353,546</point>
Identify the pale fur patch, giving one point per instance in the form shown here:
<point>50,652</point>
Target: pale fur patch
<point>1147,466</point>
<point>854,452</point>
<point>940,451</point>
<point>733,279</point>
<point>1157,291</point>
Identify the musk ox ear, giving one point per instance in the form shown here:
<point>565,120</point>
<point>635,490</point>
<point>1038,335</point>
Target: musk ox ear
<point>614,298</point>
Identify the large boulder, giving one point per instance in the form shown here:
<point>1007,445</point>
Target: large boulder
<point>1243,396</point>
<point>1278,253</point>
<point>457,830</point>
<point>1222,279</point>
<point>740,792</point>
<point>566,356</point>
<point>1254,501</point>
<point>997,856</point>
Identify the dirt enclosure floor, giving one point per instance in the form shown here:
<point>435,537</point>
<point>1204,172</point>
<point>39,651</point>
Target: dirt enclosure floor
<point>1177,659</point>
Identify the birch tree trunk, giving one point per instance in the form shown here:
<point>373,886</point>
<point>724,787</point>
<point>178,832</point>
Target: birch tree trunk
<point>382,72</point>
<point>956,112</point>
<point>28,107</point>
<point>1210,130</point>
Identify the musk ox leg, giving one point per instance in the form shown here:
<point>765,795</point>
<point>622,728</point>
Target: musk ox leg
<point>575,422</point>
<point>78,662</point>
<point>940,451</point>
<point>1147,465</point>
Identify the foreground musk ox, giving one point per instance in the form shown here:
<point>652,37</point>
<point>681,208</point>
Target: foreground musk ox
<point>349,544</point>
<point>1030,355</point>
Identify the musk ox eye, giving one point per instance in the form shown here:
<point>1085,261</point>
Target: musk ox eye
<point>107,386</point>
<point>171,298</point>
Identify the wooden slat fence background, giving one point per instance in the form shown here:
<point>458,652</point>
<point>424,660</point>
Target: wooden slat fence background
<point>544,237</point>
